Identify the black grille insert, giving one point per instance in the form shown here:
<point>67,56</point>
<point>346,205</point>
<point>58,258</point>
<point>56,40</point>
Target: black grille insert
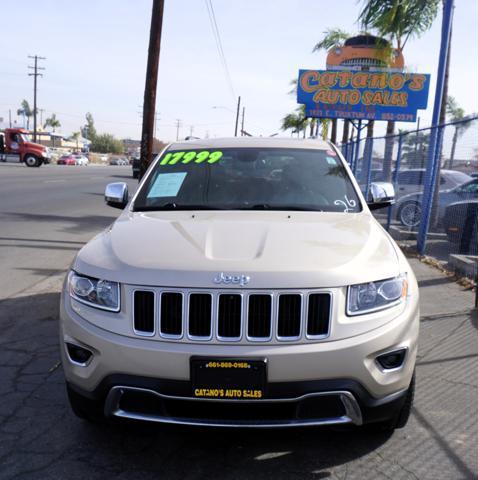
<point>200,308</point>
<point>319,313</point>
<point>144,311</point>
<point>259,315</point>
<point>171,313</point>
<point>289,315</point>
<point>229,317</point>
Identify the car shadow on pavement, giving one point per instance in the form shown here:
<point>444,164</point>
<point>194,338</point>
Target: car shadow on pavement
<point>86,223</point>
<point>41,437</point>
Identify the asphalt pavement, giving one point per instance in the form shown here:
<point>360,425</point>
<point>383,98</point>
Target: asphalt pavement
<point>40,438</point>
<point>47,214</point>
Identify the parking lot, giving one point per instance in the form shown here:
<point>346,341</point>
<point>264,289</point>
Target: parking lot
<point>46,215</point>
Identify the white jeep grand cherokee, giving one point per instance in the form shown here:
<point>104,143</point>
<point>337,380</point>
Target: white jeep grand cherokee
<point>247,284</point>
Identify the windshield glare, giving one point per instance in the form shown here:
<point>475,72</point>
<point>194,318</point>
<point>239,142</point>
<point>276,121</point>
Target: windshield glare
<point>249,178</point>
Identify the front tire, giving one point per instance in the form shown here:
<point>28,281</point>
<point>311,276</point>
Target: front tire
<point>31,161</point>
<point>410,214</point>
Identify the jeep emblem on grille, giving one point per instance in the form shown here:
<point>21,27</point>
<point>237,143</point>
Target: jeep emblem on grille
<point>235,279</point>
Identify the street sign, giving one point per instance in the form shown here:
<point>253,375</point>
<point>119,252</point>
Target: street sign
<point>388,96</point>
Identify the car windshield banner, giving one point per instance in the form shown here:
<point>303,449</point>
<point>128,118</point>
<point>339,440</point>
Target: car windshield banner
<point>388,96</point>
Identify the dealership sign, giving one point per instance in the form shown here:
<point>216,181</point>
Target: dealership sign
<point>363,95</point>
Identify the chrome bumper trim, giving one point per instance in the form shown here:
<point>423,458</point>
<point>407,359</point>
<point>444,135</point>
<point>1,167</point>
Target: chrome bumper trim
<point>352,415</point>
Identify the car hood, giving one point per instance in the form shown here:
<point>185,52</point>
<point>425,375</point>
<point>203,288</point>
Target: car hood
<point>275,249</point>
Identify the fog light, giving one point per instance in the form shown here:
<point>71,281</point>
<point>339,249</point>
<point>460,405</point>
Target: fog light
<point>392,360</point>
<point>78,354</point>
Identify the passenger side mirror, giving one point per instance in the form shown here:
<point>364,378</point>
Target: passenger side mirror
<point>116,195</point>
<point>381,195</point>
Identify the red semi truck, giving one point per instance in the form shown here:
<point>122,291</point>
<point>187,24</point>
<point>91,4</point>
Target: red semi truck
<point>15,146</point>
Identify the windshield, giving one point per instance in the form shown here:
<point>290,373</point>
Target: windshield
<point>25,137</point>
<point>249,178</point>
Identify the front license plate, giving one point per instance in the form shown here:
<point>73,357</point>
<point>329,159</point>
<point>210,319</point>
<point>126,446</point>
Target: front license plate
<point>228,379</point>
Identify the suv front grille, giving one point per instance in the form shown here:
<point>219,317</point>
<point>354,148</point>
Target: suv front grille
<point>232,316</point>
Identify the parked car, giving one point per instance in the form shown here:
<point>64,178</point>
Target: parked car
<point>461,226</point>
<point>412,180</point>
<point>81,160</point>
<point>119,161</point>
<point>66,160</point>
<point>409,208</point>
<point>135,166</point>
<point>263,294</point>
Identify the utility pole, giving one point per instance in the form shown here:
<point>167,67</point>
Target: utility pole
<point>191,130</point>
<point>242,122</point>
<point>178,125</point>
<point>149,103</point>
<point>237,115</point>
<point>35,74</point>
<point>10,118</point>
<point>41,110</point>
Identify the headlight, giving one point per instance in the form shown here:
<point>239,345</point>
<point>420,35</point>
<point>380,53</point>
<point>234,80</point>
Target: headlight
<point>94,292</point>
<point>374,296</point>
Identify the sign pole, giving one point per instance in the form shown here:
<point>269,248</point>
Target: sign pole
<point>433,159</point>
<point>357,148</point>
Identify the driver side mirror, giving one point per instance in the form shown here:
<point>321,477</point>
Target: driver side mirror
<point>381,195</point>
<point>116,195</point>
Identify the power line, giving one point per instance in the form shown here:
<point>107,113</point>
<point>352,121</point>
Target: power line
<point>220,50</point>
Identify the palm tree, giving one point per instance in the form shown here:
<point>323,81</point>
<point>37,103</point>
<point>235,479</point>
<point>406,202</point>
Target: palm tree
<point>296,122</point>
<point>456,114</point>
<point>397,20</point>
<point>333,37</point>
<point>54,123</point>
<point>25,111</point>
<point>76,136</point>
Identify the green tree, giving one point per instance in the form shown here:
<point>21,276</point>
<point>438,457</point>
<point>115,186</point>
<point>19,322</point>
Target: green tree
<point>25,111</point>
<point>456,114</point>
<point>333,37</point>
<point>106,143</point>
<point>292,122</point>
<point>76,136</point>
<point>397,20</point>
<point>89,131</point>
<point>54,123</point>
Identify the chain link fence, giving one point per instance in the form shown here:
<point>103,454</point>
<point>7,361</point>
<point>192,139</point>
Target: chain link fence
<point>451,215</point>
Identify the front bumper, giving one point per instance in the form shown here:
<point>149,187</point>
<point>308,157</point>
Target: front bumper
<point>340,378</point>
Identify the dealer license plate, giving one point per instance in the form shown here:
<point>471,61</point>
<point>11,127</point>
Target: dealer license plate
<point>228,379</point>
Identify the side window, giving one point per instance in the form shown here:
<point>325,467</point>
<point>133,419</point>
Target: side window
<point>471,187</point>
<point>410,178</point>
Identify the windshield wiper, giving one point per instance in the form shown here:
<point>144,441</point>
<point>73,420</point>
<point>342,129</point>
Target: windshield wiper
<point>267,206</point>
<point>176,206</point>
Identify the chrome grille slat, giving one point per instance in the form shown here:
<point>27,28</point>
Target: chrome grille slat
<point>236,315</point>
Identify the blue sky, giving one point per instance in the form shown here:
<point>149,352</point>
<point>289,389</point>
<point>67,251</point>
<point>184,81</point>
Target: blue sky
<point>96,60</point>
